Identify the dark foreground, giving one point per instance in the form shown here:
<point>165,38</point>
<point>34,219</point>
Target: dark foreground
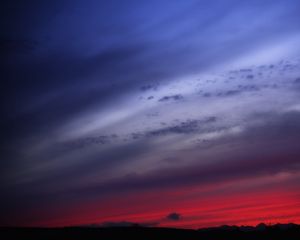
<point>261,232</point>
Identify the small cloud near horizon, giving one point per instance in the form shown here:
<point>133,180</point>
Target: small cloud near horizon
<point>174,216</point>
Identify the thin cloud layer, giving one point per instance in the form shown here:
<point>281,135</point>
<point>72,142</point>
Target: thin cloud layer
<point>102,101</point>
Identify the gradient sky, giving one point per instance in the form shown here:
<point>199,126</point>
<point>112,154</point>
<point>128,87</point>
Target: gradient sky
<point>162,113</point>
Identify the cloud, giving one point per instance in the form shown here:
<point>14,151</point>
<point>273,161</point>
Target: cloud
<point>190,126</point>
<point>185,127</point>
<point>207,95</point>
<point>73,66</point>
<point>229,93</point>
<point>174,216</point>
<point>241,162</point>
<point>241,89</point>
<point>149,87</point>
<point>172,97</point>
<point>90,141</point>
<point>248,87</point>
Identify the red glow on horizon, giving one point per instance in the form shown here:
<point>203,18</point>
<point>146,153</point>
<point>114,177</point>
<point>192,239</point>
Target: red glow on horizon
<point>200,209</point>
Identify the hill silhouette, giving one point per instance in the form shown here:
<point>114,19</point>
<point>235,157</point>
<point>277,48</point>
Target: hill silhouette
<point>261,232</point>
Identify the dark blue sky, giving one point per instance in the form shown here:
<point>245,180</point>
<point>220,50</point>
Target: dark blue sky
<point>103,99</point>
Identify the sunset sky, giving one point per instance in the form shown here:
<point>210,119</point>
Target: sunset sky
<point>162,113</point>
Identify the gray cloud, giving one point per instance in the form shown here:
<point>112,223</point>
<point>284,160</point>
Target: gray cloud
<point>172,97</point>
<point>228,93</point>
<point>280,131</point>
<point>90,141</point>
<point>190,126</point>
<point>174,216</point>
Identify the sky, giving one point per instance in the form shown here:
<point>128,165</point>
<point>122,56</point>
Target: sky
<point>162,113</point>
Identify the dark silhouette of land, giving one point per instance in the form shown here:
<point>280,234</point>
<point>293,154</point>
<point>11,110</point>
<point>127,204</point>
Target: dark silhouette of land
<point>260,232</point>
